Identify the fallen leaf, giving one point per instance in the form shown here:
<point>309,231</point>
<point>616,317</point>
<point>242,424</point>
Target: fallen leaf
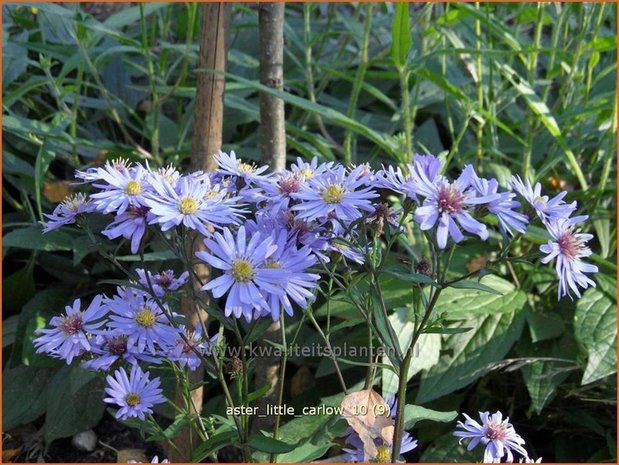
<point>476,264</point>
<point>57,191</point>
<point>369,416</point>
<point>302,381</point>
<point>124,455</point>
<point>9,454</point>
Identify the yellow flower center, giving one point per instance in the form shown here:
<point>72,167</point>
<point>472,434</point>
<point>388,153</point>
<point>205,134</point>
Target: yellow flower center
<point>272,264</point>
<point>133,188</point>
<point>132,399</point>
<point>306,173</point>
<point>246,168</point>
<point>211,194</point>
<point>146,318</point>
<point>188,206</point>
<point>242,271</point>
<point>540,199</point>
<point>333,193</point>
<point>383,454</point>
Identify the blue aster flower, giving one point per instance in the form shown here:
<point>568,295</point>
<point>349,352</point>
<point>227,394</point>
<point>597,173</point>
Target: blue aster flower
<point>162,282</point>
<point>246,275</point>
<point>67,212</point>
<point>448,204</point>
<point>497,435</point>
<point>569,248</point>
<point>335,196</point>
<point>69,337</point>
<point>298,283</point>
<point>503,207</point>
<point>121,189</point>
<point>184,351</point>
<point>110,346</point>
<point>195,204</point>
<point>547,209</point>
<point>305,171</point>
<point>423,172</point>
<point>131,224</point>
<point>135,314</point>
<point>230,165</point>
<point>135,394</point>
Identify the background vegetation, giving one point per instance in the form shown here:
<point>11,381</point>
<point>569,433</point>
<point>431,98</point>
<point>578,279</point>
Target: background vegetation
<point>511,88</point>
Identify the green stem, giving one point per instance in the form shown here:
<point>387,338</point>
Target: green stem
<point>152,79</point>
<point>282,374</point>
<point>356,90</point>
<point>406,113</point>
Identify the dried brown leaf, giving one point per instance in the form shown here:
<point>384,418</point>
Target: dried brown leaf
<point>368,415</point>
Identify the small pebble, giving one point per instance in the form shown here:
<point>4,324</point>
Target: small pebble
<point>86,441</point>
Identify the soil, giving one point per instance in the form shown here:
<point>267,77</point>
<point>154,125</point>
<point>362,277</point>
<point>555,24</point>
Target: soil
<point>112,436</point>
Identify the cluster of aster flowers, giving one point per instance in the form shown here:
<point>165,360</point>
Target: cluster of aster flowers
<point>118,333</point>
<point>264,232</point>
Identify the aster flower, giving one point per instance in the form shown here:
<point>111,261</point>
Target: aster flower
<point>123,188</point>
<point>134,313</point>
<point>277,191</point>
<point>154,460</point>
<point>305,171</point>
<point>503,207</point>
<point>131,225</point>
<point>162,282</point>
<point>135,394</point>
<point>110,346</point>
<point>245,275</point>
<point>335,196</point>
<point>230,165</point>
<point>67,211</point>
<point>69,336</point>
<point>295,262</point>
<point>196,205</point>
<point>184,352</point>
<point>423,172</point>
<point>547,209</point>
<point>448,205</point>
<point>569,248</point>
<point>497,435</point>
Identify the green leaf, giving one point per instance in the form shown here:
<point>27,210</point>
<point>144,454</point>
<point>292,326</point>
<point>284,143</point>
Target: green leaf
<point>425,354</point>
<point>543,326</point>
<point>468,284</point>
<point>400,34</point>
<point>213,444</point>
<point>460,304</point>
<point>74,403</point>
<point>416,413</point>
<point>473,353</point>
<point>32,238</point>
<point>542,377</point>
<point>258,393</point>
<point>412,277</point>
<point>313,434</point>
<point>21,284</point>
<point>24,395</point>
<point>595,327</point>
<point>263,443</point>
